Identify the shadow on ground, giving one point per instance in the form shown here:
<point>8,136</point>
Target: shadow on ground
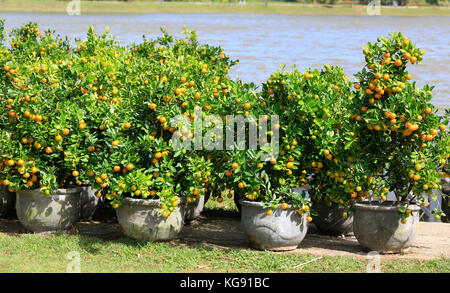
<point>222,229</point>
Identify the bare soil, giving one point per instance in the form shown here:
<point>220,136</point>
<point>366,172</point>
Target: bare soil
<point>223,230</point>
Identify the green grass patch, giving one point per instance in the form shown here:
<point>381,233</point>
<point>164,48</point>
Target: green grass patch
<point>43,253</point>
<point>226,205</point>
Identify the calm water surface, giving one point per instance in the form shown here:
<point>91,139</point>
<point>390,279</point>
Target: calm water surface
<point>263,42</point>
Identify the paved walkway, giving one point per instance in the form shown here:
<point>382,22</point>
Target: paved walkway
<point>224,231</point>
<point>433,239</point>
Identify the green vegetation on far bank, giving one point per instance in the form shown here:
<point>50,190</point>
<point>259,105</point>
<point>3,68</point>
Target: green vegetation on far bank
<point>104,7</point>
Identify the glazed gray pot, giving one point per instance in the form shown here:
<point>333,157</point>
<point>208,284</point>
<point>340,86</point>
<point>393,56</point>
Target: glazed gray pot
<point>55,213</point>
<point>193,210</point>
<point>283,230</point>
<point>329,219</point>
<point>7,200</point>
<point>377,226</point>
<point>88,202</point>
<point>140,219</point>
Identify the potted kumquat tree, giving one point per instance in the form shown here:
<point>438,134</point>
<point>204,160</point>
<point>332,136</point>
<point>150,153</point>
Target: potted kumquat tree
<point>315,119</point>
<point>274,215</point>
<point>39,136</point>
<point>400,144</point>
<point>134,162</point>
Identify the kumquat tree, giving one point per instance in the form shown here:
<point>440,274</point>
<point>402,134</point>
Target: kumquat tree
<point>155,127</point>
<point>400,141</point>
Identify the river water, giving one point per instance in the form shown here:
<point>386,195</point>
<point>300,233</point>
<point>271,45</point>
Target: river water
<point>263,42</point>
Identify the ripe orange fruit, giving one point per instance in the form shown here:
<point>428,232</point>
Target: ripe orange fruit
<point>66,131</point>
<point>398,62</point>
<point>284,205</point>
<point>48,150</point>
<point>115,143</point>
<point>289,165</point>
<point>413,59</point>
<point>386,77</point>
<point>75,173</point>
<point>235,166</point>
<point>309,219</point>
<point>247,106</point>
<point>152,106</point>
<point>220,199</point>
<point>269,212</point>
<point>130,167</point>
<point>406,55</point>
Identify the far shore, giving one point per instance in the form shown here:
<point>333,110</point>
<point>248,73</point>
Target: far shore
<point>283,8</point>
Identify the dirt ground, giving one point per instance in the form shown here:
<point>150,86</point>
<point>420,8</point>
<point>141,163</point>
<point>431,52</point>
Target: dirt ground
<point>223,230</point>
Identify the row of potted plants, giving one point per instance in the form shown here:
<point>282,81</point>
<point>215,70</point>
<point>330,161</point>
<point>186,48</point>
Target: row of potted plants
<point>144,126</point>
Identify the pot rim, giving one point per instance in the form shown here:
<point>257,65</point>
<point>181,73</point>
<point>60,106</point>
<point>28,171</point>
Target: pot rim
<point>257,204</point>
<point>74,190</point>
<point>146,202</point>
<point>376,206</point>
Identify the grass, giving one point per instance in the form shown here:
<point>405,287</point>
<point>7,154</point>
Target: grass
<point>28,253</point>
<point>227,205</point>
<point>49,6</point>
